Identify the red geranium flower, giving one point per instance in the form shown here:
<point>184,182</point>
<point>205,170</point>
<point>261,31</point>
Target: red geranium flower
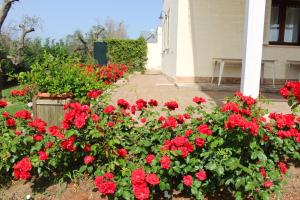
<point>110,124</point>
<point>123,104</point>
<point>165,162</point>
<point>38,124</point>
<point>199,142</point>
<point>108,175</point>
<point>188,133</point>
<point>5,114</point>
<point>121,152</point>
<point>153,102</point>
<point>199,100</point>
<point>282,167</point>
<point>171,105</point>
<point>95,118</point>
<point>109,109</point>
<point>94,94</point>
<point>88,159</point>
<point>23,114</point>
<point>43,155</point>
<point>22,169</point>
<point>188,180</point>
<point>268,184</point>
<point>201,175</point>
<point>10,122</point>
<point>141,104</point>
<point>87,148</point>
<point>150,158</point>
<point>3,104</point>
<point>204,129</point>
<point>263,172</point>
<point>152,179</point>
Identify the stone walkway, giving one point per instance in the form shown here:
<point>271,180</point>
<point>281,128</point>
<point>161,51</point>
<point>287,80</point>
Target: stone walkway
<point>160,88</point>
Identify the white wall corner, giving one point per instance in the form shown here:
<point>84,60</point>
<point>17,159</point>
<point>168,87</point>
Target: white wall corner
<point>185,54</point>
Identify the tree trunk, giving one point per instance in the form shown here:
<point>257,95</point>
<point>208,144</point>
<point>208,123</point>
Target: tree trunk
<point>4,11</point>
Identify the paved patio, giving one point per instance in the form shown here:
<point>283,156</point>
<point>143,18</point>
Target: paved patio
<point>160,88</point>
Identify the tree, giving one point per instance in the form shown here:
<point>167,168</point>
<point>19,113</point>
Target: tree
<point>115,29</point>
<point>27,26</point>
<point>6,6</point>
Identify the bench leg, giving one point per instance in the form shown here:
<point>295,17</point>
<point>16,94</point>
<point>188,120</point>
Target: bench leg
<point>214,71</point>
<point>262,73</point>
<point>288,72</point>
<point>274,75</point>
<point>221,72</point>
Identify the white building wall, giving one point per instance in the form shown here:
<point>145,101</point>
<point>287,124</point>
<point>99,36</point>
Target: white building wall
<point>217,30</point>
<point>155,52</point>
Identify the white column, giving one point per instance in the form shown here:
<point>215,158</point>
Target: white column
<point>253,44</point>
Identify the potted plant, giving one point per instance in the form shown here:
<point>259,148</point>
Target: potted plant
<point>57,80</point>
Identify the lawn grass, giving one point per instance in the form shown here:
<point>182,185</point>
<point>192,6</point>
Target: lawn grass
<point>15,106</point>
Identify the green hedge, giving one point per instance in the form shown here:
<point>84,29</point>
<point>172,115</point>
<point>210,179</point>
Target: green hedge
<point>129,52</point>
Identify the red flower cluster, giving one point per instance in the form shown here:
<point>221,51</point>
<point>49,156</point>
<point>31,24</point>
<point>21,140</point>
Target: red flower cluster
<point>43,155</point>
<point>204,129</point>
<point>109,109</point>
<point>291,89</point>
<point>282,121</point>
<point>38,124</point>
<point>19,92</point>
<point>121,152</point>
<point>10,122</point>
<point>170,122</point>
<point>123,104</point>
<point>141,104</point>
<point>165,162</point>
<point>236,120</point>
<point>245,99</point>
<point>23,114</point>
<point>201,175</point>
<point>153,102</point>
<point>68,144</point>
<point>283,168</point>
<point>94,94</point>
<point>22,169</point>
<point>77,115</point>
<point>150,158</point>
<point>55,131</point>
<point>171,105</point>
<point>88,159</point>
<point>187,180</point>
<point>111,73</point>
<point>3,104</point>
<point>139,180</point>
<point>199,100</point>
<point>105,184</point>
<point>179,143</point>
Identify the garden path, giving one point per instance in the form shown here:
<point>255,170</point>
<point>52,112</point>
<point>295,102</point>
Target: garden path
<point>158,87</point>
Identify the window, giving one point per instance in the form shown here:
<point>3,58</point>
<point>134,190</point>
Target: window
<point>285,22</point>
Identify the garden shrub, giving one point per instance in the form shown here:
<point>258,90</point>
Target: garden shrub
<point>136,151</point>
<point>59,76</point>
<point>132,53</point>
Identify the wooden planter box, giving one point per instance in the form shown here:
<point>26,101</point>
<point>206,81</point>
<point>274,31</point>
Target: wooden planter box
<point>50,109</point>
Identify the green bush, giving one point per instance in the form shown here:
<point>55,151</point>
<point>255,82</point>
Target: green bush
<point>132,53</point>
<point>58,75</point>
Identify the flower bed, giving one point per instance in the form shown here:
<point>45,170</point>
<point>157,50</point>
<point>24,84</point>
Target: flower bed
<point>134,151</point>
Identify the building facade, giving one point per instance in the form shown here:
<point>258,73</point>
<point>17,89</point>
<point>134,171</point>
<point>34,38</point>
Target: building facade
<point>197,31</point>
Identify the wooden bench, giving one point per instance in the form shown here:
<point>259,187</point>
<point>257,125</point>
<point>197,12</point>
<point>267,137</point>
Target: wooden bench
<point>221,63</point>
<point>290,64</point>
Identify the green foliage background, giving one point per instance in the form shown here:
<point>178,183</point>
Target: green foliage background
<point>132,53</point>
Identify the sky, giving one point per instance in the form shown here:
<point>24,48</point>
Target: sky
<point>62,17</point>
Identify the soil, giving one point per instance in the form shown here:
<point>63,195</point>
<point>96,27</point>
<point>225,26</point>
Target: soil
<point>84,189</point>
